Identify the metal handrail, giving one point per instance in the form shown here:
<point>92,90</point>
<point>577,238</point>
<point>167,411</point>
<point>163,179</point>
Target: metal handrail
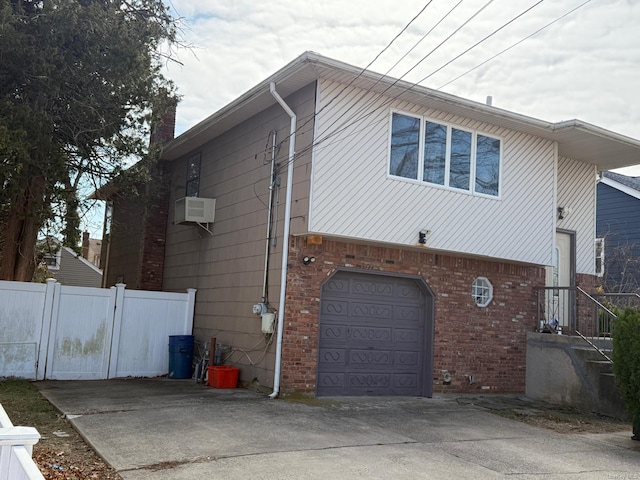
<point>599,307</point>
<point>597,302</point>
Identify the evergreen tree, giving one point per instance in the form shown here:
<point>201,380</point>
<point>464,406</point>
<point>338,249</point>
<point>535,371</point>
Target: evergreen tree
<point>80,81</point>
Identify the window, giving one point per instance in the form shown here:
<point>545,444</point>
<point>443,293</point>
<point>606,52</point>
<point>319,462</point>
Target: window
<point>440,154</point>
<point>193,175</point>
<point>600,257</point>
<point>405,139</point>
<point>482,291</point>
<point>52,260</point>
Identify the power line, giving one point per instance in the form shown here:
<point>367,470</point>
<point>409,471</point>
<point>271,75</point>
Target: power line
<point>481,41</point>
<point>514,45</point>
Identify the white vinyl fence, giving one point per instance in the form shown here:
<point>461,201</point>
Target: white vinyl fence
<point>16,448</point>
<point>58,332</point>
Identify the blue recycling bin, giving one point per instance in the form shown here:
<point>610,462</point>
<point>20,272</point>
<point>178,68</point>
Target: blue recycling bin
<point>180,356</point>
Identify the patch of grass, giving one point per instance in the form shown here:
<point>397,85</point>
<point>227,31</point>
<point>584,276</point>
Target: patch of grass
<point>61,453</point>
<point>25,406</point>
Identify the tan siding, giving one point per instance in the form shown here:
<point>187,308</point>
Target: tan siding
<point>227,267</point>
<point>577,192</point>
<point>350,177</point>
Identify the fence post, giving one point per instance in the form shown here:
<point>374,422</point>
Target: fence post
<point>11,437</point>
<point>118,308</point>
<point>190,309</point>
<point>47,316</point>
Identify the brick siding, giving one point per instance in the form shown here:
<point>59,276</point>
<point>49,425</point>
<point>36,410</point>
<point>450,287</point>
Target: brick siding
<point>488,343</point>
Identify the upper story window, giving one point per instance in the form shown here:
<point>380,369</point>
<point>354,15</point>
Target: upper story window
<point>445,155</point>
<point>193,176</point>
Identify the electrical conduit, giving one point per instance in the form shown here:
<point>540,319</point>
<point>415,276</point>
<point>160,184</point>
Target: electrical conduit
<point>285,238</point>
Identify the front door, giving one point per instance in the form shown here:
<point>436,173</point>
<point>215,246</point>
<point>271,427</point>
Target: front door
<point>559,275</point>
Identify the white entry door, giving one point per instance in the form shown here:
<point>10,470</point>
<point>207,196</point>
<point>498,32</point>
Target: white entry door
<point>559,275</point>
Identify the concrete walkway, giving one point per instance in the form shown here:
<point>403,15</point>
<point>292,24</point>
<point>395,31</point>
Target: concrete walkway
<point>176,429</point>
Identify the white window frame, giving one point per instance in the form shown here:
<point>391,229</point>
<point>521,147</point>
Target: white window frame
<point>58,258</point>
<point>599,248</point>
<point>488,288</point>
<point>421,141</point>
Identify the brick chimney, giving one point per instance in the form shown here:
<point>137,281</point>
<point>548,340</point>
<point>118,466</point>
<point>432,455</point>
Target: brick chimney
<point>165,131</point>
<point>85,245</point>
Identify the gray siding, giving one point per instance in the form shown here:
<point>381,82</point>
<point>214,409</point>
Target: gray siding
<point>227,267</point>
<point>76,271</point>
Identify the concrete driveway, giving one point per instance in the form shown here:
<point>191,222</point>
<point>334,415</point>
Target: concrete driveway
<point>176,429</point>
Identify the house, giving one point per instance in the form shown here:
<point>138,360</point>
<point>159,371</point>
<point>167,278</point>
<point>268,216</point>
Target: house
<point>618,232</point>
<point>69,268</point>
<point>354,234</point>
<point>132,252</point>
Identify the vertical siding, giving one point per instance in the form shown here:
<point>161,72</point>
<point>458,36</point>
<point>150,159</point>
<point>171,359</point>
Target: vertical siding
<point>227,267</point>
<point>351,177</point>
<point>577,192</point>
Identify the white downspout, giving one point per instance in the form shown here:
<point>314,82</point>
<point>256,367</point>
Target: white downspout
<point>285,238</point>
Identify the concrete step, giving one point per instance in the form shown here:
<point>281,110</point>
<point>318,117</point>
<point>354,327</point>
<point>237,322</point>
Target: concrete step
<point>605,366</point>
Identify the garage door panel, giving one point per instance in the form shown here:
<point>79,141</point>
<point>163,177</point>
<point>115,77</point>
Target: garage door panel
<point>405,383</point>
<point>336,285</point>
<point>407,336</point>
<point>407,359</point>
<point>335,308</point>
<point>374,288</point>
<point>368,311</point>
<point>372,335</point>
<point>408,292</point>
<point>408,314</point>
<point>333,333</point>
<point>363,383</point>
<point>370,358</point>
<point>331,358</point>
<point>333,383</point>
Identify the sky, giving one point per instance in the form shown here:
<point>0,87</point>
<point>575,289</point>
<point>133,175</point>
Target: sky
<point>585,65</point>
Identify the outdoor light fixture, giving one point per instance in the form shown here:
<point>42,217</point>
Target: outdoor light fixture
<point>563,212</point>
<point>422,237</point>
<point>308,260</point>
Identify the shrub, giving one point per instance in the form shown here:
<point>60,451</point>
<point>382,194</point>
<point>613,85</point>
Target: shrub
<point>626,361</point>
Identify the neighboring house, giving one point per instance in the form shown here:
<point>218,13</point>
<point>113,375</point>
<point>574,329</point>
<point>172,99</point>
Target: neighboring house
<point>409,227</point>
<point>69,268</point>
<point>618,232</point>
<point>91,249</point>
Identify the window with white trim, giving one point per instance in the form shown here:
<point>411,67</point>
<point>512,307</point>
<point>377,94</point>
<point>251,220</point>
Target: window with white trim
<point>600,257</point>
<point>441,154</point>
<point>482,291</point>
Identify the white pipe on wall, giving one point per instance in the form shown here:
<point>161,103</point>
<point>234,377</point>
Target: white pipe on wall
<point>285,238</point>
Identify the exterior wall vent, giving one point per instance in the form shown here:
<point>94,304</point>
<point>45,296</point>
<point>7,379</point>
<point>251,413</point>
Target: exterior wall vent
<point>194,210</point>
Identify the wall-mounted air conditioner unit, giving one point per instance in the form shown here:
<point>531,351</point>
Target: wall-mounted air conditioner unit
<point>194,210</point>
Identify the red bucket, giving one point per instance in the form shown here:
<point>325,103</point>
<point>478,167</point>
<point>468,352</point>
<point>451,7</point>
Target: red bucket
<point>223,376</point>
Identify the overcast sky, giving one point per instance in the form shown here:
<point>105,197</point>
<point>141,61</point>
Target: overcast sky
<point>585,66</point>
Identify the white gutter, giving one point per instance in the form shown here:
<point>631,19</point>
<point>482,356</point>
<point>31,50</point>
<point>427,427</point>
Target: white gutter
<point>285,238</point>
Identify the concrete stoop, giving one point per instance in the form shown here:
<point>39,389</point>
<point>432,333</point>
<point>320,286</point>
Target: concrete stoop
<point>565,370</point>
